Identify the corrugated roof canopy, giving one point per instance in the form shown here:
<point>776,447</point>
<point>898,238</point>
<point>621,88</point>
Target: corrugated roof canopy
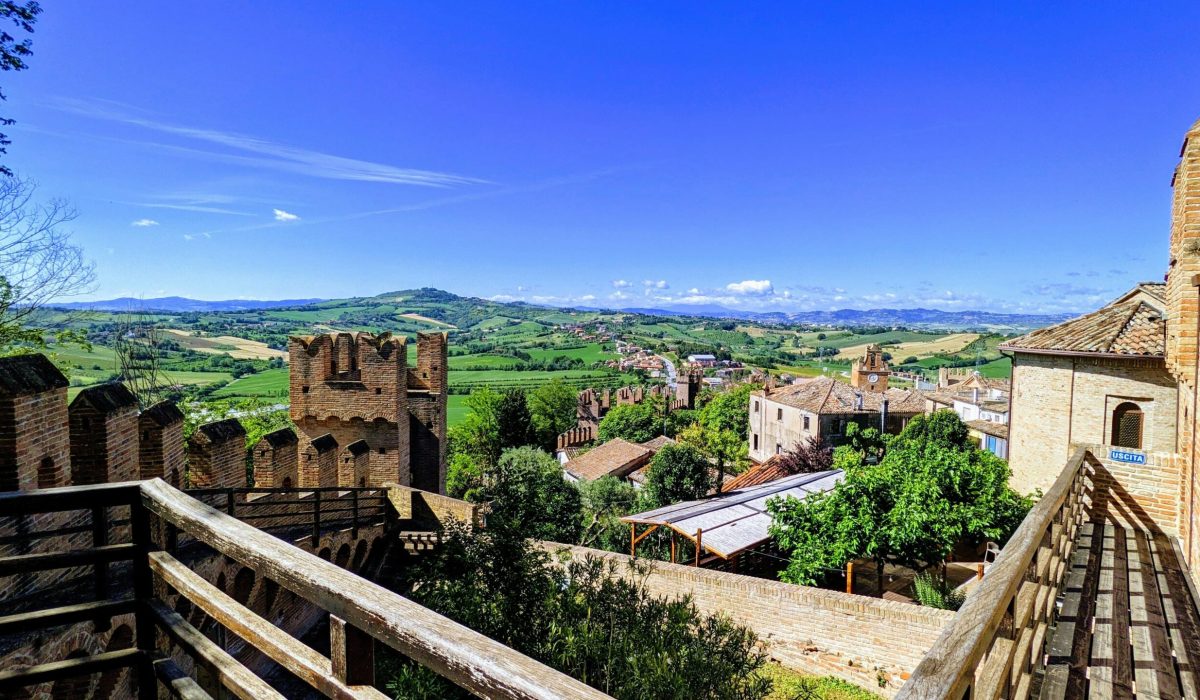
<point>734,521</point>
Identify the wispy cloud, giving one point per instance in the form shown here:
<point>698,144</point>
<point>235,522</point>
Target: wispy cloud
<point>266,153</point>
<point>281,215</point>
<point>751,287</point>
<point>143,223</point>
<point>621,284</point>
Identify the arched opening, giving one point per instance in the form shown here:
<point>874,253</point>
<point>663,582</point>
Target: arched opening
<point>1127,423</point>
<point>325,553</point>
<point>343,556</point>
<point>287,482</point>
<point>243,584</point>
<point>47,478</point>
<point>362,482</point>
<point>360,555</point>
<point>122,638</point>
<point>75,686</point>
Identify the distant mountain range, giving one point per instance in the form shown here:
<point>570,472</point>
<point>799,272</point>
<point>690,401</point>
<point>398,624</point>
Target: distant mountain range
<point>917,319</point>
<point>181,304</point>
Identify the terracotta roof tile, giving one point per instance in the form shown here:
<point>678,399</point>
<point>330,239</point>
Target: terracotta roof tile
<point>1131,328</point>
<point>825,395</point>
<point>764,473</point>
<point>21,375</point>
<point>616,457</point>
<point>987,427</point>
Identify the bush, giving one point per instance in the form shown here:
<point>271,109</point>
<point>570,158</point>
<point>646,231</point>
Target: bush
<point>932,592</point>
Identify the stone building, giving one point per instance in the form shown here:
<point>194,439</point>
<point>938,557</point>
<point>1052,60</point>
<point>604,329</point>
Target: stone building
<point>35,437</point>
<point>217,455</point>
<point>359,387</point>
<point>782,418</point>
<point>104,435</point>
<point>870,373</point>
<point>277,459</point>
<point>160,444</point>
<point>1099,379</point>
<point>593,405</point>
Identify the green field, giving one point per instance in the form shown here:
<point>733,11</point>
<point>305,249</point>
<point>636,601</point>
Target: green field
<point>272,383</point>
<point>456,409</point>
<point>878,338</point>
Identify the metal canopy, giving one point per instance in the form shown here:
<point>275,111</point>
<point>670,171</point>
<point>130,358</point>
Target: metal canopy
<point>738,520</point>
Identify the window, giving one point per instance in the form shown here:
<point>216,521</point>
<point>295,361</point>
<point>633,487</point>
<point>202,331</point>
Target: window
<point>756,407</point>
<point>755,442</point>
<point>806,423</point>
<point>778,448</point>
<point>1127,426</point>
<point>779,414</point>
<point>47,477</point>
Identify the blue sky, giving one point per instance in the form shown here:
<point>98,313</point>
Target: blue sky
<point>1000,156</point>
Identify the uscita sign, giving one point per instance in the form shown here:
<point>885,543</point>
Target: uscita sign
<point>1127,457</point>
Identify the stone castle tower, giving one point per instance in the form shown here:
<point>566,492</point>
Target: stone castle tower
<point>870,373</point>
<point>359,387</point>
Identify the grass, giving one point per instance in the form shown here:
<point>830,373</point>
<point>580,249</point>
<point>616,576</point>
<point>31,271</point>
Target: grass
<point>888,338</point>
<point>456,409</point>
<point>790,685</point>
<point>270,383</point>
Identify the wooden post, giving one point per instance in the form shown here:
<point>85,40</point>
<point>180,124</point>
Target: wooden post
<point>633,539</point>
<point>672,546</point>
<point>849,577</point>
<point>316,528</point>
<point>143,591</point>
<point>230,503</point>
<point>351,653</point>
<point>699,544</point>
<point>100,539</point>
<point>980,569</point>
<point>354,509</point>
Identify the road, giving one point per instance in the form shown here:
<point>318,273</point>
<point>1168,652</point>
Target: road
<point>670,369</point>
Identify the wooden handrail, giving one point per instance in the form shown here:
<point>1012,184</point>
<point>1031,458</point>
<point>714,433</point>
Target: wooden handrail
<point>948,669</point>
<point>65,498</point>
<point>483,666</point>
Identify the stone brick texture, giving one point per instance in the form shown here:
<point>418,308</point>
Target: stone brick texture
<point>218,462</point>
<point>104,446</point>
<point>811,630</point>
<point>319,466</point>
<point>354,469</point>
<point>35,441</point>
<point>276,466</point>
<point>161,453</point>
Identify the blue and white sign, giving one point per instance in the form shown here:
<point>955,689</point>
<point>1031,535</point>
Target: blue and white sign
<point>1127,457</point>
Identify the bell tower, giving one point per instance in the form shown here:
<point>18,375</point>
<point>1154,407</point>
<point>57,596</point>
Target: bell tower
<point>870,373</point>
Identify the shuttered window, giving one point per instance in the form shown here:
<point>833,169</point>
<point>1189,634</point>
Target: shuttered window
<point>1127,426</point>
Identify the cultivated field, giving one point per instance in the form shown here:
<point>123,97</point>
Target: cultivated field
<point>237,348</point>
<point>945,345</point>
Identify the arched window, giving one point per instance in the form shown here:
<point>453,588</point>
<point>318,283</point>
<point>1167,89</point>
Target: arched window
<point>47,476</point>
<point>1127,426</point>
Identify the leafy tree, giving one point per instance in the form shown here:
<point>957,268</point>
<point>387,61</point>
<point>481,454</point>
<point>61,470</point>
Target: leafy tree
<point>931,490</point>
<point>514,427</point>
<point>721,428</point>
<point>605,500</point>
<point>677,473</point>
<point>552,409</point>
<point>633,422</point>
<point>528,495</point>
<point>808,457</point>
<point>13,53</point>
<point>478,435</point>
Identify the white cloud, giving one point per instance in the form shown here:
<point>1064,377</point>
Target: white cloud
<point>618,295</point>
<point>693,291</point>
<point>621,284</point>
<point>281,215</point>
<point>142,223</point>
<point>751,287</point>
<point>652,284</point>
<point>588,297</point>
<point>188,237</point>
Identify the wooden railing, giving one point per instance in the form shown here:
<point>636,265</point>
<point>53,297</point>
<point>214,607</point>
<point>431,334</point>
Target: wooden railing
<point>361,613</point>
<point>279,510</point>
<point>994,645</point>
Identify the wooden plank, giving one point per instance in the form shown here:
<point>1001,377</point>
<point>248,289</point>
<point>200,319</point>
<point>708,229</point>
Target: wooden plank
<point>479,664</point>
<point>351,653</point>
<point>178,684</point>
<point>231,674</point>
<point>1154,666</point>
<point>63,498</point>
<point>1122,675</point>
<point>65,615</point>
<point>1054,682</point>
<point>70,668</point>
<point>26,563</point>
<point>1179,609</point>
<point>1081,643</point>
<point>287,651</point>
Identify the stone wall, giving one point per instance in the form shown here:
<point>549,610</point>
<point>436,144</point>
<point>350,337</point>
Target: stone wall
<point>318,462</point>
<point>811,630</point>
<point>1144,496</point>
<point>160,444</point>
<point>276,460</point>
<point>354,466</point>
<point>217,455</point>
<point>431,508</point>
<point>104,440</point>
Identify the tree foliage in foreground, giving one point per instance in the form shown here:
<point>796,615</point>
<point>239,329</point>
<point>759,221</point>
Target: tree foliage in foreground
<point>591,619</point>
<point>13,53</point>
<point>931,490</point>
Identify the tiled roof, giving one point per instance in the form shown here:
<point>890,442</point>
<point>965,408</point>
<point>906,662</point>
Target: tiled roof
<point>107,398</point>
<point>164,413</point>
<point>222,430</point>
<point>281,438</point>
<point>827,395</point>
<point>324,443</point>
<point>657,443</point>
<point>758,474</point>
<point>1132,328</point>
<point>21,375</point>
<point>616,457</point>
<point>989,428</point>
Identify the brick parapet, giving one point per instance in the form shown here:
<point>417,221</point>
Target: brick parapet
<point>35,441</point>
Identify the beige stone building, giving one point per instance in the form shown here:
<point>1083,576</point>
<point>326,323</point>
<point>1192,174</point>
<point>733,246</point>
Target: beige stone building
<point>1097,379</point>
<point>784,417</point>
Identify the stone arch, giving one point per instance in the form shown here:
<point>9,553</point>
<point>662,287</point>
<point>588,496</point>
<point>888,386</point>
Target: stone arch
<point>121,638</point>
<point>287,482</point>
<point>343,556</point>
<point>1128,423</point>
<point>243,585</point>
<point>325,553</point>
<point>75,686</point>
<point>360,555</point>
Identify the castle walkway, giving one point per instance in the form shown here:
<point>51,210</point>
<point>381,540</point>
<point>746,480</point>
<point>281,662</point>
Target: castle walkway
<point>1089,599</point>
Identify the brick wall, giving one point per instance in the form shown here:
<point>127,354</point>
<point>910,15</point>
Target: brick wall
<point>436,509</point>
<point>217,455</point>
<point>354,465</point>
<point>811,630</point>
<point>35,441</point>
<point>1182,301</point>
<point>276,459</point>
<point>1145,496</point>
<point>104,446</point>
<point>319,462</point>
<point>160,445</point>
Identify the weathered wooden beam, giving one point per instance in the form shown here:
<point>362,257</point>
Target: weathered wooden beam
<point>70,668</point>
<point>231,674</point>
<point>68,498</point>
<point>351,652</point>
<point>26,563</point>
<point>297,657</point>
<point>178,684</point>
<point>483,666</point>
<point>64,615</point>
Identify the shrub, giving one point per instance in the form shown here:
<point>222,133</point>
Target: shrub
<point>932,592</point>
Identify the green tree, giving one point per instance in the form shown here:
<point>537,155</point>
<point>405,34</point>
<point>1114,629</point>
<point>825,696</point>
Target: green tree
<point>528,494</point>
<point>478,435</point>
<point>677,473</point>
<point>552,407</point>
<point>931,490</point>
<point>721,430</point>
<point>604,501</point>
<point>514,426</point>
<point>633,422</point>
<point>13,52</point>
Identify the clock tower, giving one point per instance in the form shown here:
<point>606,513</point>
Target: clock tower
<point>871,372</point>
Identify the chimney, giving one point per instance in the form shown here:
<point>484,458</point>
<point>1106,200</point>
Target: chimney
<point>858,401</point>
<point>975,396</point>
